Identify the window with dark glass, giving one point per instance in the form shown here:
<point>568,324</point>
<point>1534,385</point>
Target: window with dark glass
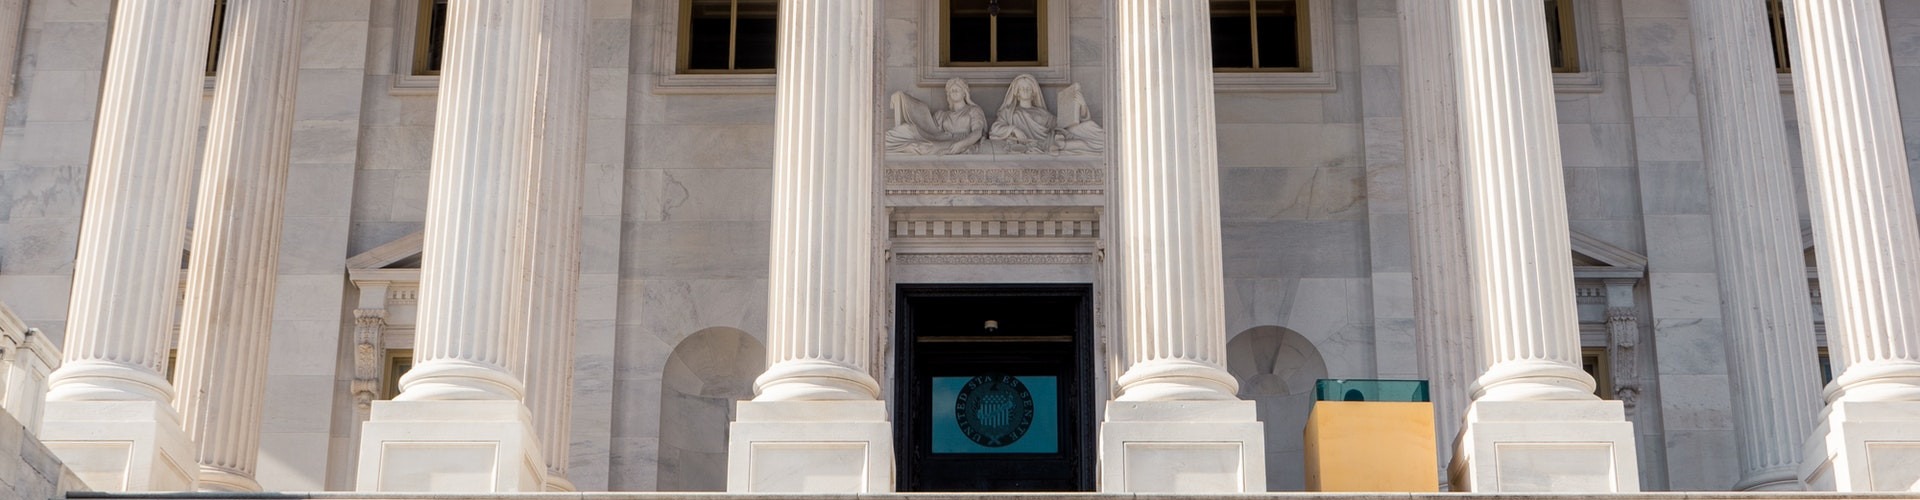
<point>399,361</point>
<point>1562,43</point>
<point>429,37</point>
<point>1595,361</point>
<point>728,36</point>
<point>1260,35</point>
<point>1777,28</point>
<point>993,32</point>
<point>213,41</point>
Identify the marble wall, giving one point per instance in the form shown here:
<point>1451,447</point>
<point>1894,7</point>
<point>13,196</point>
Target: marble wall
<point>1314,212</point>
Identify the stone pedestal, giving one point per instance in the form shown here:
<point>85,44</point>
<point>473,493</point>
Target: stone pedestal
<point>1865,446</point>
<point>1182,447</point>
<point>810,447</point>
<point>1545,446</point>
<point>121,445</point>
<point>450,446</point>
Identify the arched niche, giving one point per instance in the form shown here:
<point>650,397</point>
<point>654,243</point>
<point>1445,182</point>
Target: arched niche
<point>705,375</point>
<point>1276,368</point>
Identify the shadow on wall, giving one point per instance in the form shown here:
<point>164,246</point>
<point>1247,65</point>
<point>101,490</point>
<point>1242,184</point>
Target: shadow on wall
<point>1276,368</point>
<point>705,374</point>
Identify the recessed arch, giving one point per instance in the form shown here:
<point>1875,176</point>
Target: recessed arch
<point>1276,368</point>
<point>706,373</point>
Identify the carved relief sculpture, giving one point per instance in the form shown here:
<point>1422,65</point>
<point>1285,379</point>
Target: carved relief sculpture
<point>1024,125</point>
<point>919,130</point>
<point>1077,133</point>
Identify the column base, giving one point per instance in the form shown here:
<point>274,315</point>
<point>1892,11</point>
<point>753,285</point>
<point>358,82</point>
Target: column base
<point>1182,447</point>
<point>810,447</point>
<point>122,445</point>
<point>450,446</point>
<point>557,484</point>
<point>1865,446</point>
<point>221,480</point>
<point>1546,446</point>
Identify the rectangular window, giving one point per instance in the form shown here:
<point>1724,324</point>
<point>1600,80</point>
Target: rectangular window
<point>214,39</point>
<point>398,362</point>
<point>1597,363</point>
<point>728,36</point>
<point>1260,35</point>
<point>1826,367</point>
<point>1562,40</point>
<point>993,33</point>
<point>1777,27</point>
<point>430,36</point>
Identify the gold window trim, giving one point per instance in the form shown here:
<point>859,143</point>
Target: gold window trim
<point>216,36</point>
<point>1569,37</point>
<point>1602,370</point>
<point>1777,26</point>
<point>993,39</point>
<point>1303,39</point>
<point>422,37</point>
<point>391,370</point>
<point>685,50</point>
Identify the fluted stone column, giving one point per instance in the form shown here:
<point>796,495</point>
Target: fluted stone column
<point>109,391</point>
<point>1763,279</point>
<point>553,232</point>
<point>814,424</point>
<point>1442,278</point>
<point>1867,242</point>
<point>469,344</point>
<point>1175,391</point>
<point>1523,279</point>
<point>228,317</point>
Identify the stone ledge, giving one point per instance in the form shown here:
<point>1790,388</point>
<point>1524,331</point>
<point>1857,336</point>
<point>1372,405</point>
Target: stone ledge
<point>79,495</point>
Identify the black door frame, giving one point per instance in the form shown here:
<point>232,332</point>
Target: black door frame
<point>1081,393</point>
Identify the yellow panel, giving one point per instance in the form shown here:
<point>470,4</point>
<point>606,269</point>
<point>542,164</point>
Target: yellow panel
<point>1371,446</point>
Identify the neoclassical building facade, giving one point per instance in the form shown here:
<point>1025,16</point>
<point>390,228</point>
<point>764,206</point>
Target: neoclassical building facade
<point>957,245</point>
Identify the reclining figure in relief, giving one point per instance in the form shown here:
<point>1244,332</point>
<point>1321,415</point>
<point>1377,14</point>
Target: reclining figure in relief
<point>1077,133</point>
<point>1024,126</point>
<point>919,130</point>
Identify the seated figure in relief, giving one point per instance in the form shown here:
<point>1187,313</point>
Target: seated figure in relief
<point>1024,125</point>
<point>1077,133</point>
<point>919,130</point>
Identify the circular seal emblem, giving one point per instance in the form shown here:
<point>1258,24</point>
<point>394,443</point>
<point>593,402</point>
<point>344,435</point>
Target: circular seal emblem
<point>994,410</point>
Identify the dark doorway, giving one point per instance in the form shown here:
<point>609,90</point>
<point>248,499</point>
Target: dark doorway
<point>994,388</point>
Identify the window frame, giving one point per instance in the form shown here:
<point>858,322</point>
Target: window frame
<point>1303,26</point>
<point>1056,50</point>
<point>668,56</point>
<point>1318,55</point>
<point>946,40</point>
<point>1577,20</point>
<point>390,372</point>
<point>409,34</point>
<point>683,43</point>
<point>1602,371</point>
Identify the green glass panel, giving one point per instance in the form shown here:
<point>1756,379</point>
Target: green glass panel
<point>1404,391</point>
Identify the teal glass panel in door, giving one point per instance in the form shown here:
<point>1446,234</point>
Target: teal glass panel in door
<point>996,414</point>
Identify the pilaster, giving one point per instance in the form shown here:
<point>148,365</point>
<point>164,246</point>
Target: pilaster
<point>815,424</point>
<point>1868,247</point>
<point>458,418</point>
<point>1176,426</point>
<point>1762,275</point>
<point>227,320</point>
<point>1534,424</point>
<point>109,412</point>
